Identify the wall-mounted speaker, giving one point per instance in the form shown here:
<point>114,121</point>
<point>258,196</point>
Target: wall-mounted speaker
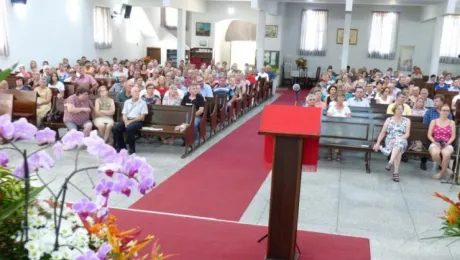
<point>203,43</point>
<point>127,10</point>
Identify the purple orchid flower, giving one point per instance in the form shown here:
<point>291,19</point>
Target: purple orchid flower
<point>137,165</point>
<point>90,255</point>
<point>6,127</point>
<point>119,158</point>
<point>104,187</point>
<point>145,184</point>
<point>19,171</point>
<point>40,160</point>
<point>109,169</point>
<point>72,139</point>
<point>84,207</point>
<point>3,159</point>
<point>102,151</point>
<point>23,130</point>
<point>57,150</point>
<point>45,136</point>
<point>104,250</point>
<point>123,185</point>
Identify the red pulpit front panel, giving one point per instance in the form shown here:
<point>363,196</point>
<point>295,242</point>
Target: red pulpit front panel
<point>278,120</point>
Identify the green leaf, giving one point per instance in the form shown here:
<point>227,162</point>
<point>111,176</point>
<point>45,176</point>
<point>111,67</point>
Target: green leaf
<point>17,204</point>
<point>4,74</point>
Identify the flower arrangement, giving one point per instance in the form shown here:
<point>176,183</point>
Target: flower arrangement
<point>147,59</point>
<point>451,225</point>
<point>301,63</point>
<point>54,229</point>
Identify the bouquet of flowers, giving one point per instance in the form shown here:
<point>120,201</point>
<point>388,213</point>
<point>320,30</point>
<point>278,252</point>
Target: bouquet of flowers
<point>301,63</point>
<point>451,225</point>
<point>85,230</point>
<point>147,59</point>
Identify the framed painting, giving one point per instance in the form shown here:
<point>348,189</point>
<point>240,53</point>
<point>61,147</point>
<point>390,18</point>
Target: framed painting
<point>353,36</point>
<point>271,31</point>
<point>203,29</point>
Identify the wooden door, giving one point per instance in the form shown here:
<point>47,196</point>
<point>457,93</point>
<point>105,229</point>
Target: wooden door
<point>154,53</point>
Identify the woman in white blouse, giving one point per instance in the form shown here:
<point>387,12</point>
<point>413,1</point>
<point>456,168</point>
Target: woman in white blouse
<point>55,83</point>
<point>338,109</point>
<point>419,107</point>
<point>385,97</point>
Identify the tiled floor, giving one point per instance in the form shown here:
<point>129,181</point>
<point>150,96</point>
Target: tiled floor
<point>339,199</point>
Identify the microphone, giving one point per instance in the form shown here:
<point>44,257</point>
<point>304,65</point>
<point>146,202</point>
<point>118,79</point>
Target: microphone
<point>296,88</point>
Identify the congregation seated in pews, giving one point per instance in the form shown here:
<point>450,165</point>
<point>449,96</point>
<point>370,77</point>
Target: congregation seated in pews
<point>132,100</point>
<point>395,114</point>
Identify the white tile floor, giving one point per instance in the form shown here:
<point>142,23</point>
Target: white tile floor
<point>339,199</point>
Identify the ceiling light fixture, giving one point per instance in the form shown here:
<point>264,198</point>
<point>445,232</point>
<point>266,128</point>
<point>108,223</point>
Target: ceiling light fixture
<point>231,10</point>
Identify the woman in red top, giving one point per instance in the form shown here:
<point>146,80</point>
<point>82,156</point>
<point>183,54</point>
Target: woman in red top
<point>162,85</point>
<point>251,77</point>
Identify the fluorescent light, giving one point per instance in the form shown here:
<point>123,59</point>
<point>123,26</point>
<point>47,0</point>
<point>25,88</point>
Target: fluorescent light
<point>231,10</point>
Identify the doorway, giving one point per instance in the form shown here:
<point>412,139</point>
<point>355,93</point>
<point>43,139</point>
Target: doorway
<point>154,54</point>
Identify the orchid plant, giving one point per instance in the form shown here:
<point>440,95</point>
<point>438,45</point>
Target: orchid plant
<point>123,174</point>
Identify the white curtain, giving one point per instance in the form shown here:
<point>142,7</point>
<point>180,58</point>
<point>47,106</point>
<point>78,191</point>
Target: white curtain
<point>450,40</point>
<point>313,33</point>
<point>3,30</point>
<point>242,52</point>
<point>170,17</point>
<point>384,31</point>
<point>102,27</point>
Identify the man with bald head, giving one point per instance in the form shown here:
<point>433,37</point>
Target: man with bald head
<point>134,111</point>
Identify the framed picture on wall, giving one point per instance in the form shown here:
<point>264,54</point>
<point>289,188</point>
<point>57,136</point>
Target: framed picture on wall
<point>353,36</point>
<point>271,31</point>
<point>203,29</point>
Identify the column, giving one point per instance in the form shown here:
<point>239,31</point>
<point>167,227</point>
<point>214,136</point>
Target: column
<point>181,14</point>
<point>435,51</point>
<point>260,39</point>
<point>346,34</point>
<point>448,8</point>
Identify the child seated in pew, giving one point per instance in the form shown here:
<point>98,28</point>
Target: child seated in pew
<point>338,109</point>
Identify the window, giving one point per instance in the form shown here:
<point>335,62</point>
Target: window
<point>102,27</point>
<point>450,47</point>
<point>313,33</point>
<point>3,30</point>
<point>170,17</point>
<point>384,31</point>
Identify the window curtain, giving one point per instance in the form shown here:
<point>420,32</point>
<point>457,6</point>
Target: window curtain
<point>102,27</point>
<point>450,40</point>
<point>169,18</point>
<point>313,33</point>
<point>384,31</point>
<point>3,30</point>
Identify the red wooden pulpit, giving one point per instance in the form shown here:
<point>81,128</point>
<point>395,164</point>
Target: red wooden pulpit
<point>291,144</point>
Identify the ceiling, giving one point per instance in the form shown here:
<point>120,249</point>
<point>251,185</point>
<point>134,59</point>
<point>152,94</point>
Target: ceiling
<point>367,2</point>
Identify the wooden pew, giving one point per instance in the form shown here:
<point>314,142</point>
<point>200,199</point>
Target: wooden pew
<point>212,115</point>
<point>449,95</point>
<point>221,100</point>
<point>167,118</point>
<point>6,104</point>
<point>24,104</point>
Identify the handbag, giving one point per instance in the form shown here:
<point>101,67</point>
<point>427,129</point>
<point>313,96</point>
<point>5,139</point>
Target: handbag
<point>56,114</point>
<point>416,146</point>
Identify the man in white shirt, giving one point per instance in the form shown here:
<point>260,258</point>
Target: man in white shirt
<point>358,100</point>
<point>262,74</point>
<point>134,111</point>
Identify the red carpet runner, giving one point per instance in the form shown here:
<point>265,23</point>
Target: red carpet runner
<point>221,182</point>
<point>193,239</point>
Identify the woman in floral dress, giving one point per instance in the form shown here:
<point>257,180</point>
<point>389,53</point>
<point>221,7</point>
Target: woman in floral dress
<point>396,131</point>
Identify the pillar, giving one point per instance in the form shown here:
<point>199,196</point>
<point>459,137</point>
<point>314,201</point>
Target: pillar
<point>346,34</point>
<point>447,9</point>
<point>181,14</point>
<point>436,49</point>
<point>260,39</point>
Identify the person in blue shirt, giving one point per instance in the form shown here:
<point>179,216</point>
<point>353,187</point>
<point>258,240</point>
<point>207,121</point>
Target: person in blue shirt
<point>430,115</point>
<point>441,84</point>
<point>271,74</point>
<point>20,84</point>
<point>205,89</point>
<point>222,88</point>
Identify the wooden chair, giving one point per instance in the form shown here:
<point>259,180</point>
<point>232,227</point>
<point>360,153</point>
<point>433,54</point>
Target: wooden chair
<point>6,104</point>
<point>212,115</point>
<point>312,81</point>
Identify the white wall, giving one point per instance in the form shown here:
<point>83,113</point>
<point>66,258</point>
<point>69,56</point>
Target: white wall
<point>411,32</point>
<point>218,11</point>
<point>53,29</point>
